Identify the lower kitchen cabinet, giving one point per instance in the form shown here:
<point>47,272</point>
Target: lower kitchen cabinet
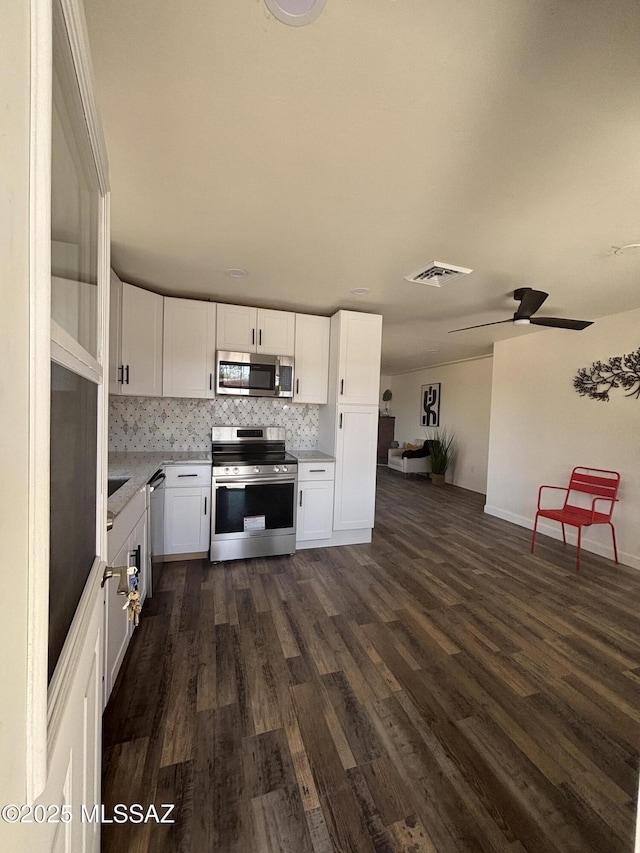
<point>315,501</point>
<point>186,510</point>
<point>187,520</point>
<point>127,544</point>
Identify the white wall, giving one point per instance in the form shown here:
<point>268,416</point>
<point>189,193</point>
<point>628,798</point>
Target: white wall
<point>541,428</point>
<point>464,409</point>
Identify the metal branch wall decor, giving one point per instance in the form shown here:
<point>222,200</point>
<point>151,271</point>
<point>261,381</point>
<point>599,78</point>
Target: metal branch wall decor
<point>621,371</point>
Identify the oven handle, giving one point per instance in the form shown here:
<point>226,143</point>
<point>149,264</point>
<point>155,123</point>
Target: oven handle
<point>250,481</point>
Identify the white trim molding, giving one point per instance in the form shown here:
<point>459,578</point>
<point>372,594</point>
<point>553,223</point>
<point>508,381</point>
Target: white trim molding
<point>555,532</point>
<point>39,396</point>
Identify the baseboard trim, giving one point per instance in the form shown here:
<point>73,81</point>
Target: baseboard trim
<point>555,532</point>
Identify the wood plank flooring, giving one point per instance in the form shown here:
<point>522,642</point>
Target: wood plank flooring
<point>440,690</point>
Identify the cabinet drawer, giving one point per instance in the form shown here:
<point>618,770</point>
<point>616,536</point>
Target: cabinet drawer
<point>187,475</point>
<point>316,470</point>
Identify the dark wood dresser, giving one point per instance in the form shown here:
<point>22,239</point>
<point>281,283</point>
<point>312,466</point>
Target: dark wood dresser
<point>386,430</point>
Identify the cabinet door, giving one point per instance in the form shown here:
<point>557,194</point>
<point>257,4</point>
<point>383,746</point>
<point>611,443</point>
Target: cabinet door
<point>276,332</point>
<point>315,510</point>
<point>360,337</point>
<point>117,629</point>
<point>205,519</point>
<point>236,328</point>
<point>141,342</point>
<point>140,539</point>
<point>311,358</point>
<point>185,520</point>
<point>189,348</point>
<point>115,335</point>
<point>357,432</point>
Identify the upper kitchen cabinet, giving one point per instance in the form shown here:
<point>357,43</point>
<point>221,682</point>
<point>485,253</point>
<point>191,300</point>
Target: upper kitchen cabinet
<point>139,368</point>
<point>311,359</point>
<point>241,328</point>
<point>189,351</point>
<point>115,335</point>
<point>356,340</point>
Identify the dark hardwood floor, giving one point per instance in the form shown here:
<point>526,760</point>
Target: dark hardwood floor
<point>441,689</point>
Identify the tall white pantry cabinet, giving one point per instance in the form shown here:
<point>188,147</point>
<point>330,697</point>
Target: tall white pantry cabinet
<point>349,422</point>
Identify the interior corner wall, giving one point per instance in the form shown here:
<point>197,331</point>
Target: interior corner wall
<point>541,428</point>
<point>464,409</point>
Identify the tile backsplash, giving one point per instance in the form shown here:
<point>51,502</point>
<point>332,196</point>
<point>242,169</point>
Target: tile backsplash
<point>170,423</point>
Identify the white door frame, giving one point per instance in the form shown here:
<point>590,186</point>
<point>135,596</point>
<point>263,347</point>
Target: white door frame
<point>44,707</point>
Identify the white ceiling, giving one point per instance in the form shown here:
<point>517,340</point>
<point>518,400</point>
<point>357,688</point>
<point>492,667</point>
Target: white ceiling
<point>501,135</point>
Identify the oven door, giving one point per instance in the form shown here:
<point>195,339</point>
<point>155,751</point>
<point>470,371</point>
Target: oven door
<point>248,507</point>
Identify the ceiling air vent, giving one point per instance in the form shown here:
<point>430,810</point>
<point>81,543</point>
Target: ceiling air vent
<point>437,274</point>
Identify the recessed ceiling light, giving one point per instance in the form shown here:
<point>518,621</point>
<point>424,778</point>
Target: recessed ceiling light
<point>360,291</point>
<point>236,273</point>
<point>296,13</point>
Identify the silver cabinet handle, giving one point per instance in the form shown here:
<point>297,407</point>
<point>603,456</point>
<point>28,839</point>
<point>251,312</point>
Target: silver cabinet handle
<point>260,338</point>
<point>318,470</point>
<point>205,504</point>
<point>340,420</point>
<point>342,386</point>
<point>300,497</point>
<point>297,386</point>
<point>253,336</point>
<point>187,475</point>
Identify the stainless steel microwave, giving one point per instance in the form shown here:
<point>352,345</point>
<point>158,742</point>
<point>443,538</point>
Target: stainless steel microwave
<point>251,374</point>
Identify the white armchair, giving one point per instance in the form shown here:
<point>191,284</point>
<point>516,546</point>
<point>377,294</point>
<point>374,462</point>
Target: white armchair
<point>408,465</point>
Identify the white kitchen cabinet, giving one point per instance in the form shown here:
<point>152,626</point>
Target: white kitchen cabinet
<point>355,487</point>
<point>311,359</point>
<point>356,341</point>
<point>115,335</point>
<point>242,328</point>
<point>315,501</point>
<point>187,519</point>
<point>187,509</point>
<point>117,629</point>
<point>276,332</point>
<point>141,342</point>
<point>127,545</point>
<point>189,348</point>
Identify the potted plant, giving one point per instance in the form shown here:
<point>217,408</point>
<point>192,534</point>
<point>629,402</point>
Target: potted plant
<point>387,397</point>
<point>443,452</point>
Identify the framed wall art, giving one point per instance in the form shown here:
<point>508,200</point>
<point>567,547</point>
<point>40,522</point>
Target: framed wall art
<point>430,405</point>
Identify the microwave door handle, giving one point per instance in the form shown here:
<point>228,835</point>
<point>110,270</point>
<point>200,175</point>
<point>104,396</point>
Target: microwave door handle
<point>277,377</point>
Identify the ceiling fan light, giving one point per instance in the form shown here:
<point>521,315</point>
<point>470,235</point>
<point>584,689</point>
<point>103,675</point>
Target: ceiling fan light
<point>524,321</point>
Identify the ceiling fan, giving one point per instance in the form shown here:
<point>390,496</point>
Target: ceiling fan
<point>530,301</point>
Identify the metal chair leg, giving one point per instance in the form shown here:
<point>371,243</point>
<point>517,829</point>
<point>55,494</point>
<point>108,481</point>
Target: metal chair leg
<point>533,538</point>
<point>564,538</point>
<point>579,541</point>
<point>615,547</point>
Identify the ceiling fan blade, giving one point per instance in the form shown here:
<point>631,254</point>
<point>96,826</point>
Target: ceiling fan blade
<point>496,323</point>
<point>530,301</point>
<point>561,323</point>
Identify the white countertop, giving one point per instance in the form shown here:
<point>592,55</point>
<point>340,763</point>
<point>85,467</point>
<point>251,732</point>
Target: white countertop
<point>139,467</point>
<point>312,456</point>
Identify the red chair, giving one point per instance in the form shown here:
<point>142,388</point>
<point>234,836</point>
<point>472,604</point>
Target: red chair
<point>598,484</point>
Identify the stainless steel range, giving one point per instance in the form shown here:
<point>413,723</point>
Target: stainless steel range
<point>253,492</point>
